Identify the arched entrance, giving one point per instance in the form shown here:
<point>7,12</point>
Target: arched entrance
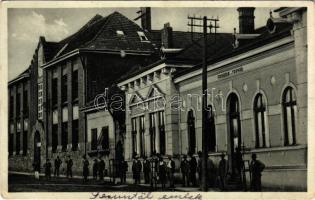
<point>234,128</point>
<point>191,132</point>
<point>37,145</point>
<point>37,148</point>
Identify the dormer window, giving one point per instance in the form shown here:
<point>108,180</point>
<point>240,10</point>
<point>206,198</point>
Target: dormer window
<point>142,36</point>
<point>120,33</point>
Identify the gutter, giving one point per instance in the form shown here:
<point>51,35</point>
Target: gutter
<point>106,51</point>
<point>18,79</point>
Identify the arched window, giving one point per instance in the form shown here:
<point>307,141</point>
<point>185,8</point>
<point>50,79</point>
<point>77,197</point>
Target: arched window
<point>261,126</point>
<point>234,121</point>
<point>211,130</point>
<point>191,132</point>
<point>289,115</point>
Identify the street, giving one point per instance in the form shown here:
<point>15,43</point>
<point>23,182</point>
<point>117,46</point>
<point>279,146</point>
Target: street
<point>27,183</point>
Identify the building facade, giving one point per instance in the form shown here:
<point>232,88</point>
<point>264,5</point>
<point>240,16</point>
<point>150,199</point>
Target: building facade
<point>257,93</point>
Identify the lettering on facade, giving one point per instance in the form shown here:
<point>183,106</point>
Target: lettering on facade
<point>230,72</point>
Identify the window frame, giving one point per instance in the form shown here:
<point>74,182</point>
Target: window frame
<point>291,104</point>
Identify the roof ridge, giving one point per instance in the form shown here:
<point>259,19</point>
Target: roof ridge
<point>92,21</point>
<point>100,30</point>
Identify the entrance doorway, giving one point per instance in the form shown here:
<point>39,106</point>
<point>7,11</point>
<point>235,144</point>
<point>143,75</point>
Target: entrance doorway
<point>234,128</point>
<point>37,148</point>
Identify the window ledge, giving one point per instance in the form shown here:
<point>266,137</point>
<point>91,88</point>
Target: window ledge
<point>282,148</point>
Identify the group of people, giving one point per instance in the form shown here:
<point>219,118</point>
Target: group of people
<point>98,169</point>
<point>217,176</point>
<point>57,164</point>
<point>155,170</point>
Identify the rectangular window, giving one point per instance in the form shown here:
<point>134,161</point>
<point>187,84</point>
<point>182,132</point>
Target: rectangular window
<point>54,137</point>
<point>54,92</point>
<point>64,88</point>
<point>152,132</point>
<point>25,103</point>
<point>162,133</point>
<point>94,139</point>
<point>11,138</point>
<point>142,138</point>
<point>11,106</point>
<point>75,134</point>
<point>75,85</point>
<point>105,138</point>
<point>17,147</point>
<point>134,135</point>
<point>25,143</point>
<point>64,137</point>
<point>18,104</point>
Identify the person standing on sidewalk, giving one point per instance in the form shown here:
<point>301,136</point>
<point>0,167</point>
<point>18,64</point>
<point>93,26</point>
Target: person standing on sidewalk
<point>57,166</point>
<point>223,171</point>
<point>47,167</point>
<point>136,169</point>
<point>256,167</point>
<point>171,171</point>
<point>146,170</point>
<point>95,169</point>
<point>69,163</point>
<point>162,172</point>
<point>123,171</point>
<point>85,169</point>
<point>184,167</point>
<point>101,168</point>
<point>193,170</point>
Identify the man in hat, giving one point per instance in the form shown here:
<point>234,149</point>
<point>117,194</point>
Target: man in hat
<point>136,169</point>
<point>162,172</point>
<point>146,170</point>
<point>193,169</point>
<point>256,167</point>
<point>69,163</point>
<point>57,166</point>
<point>170,170</point>
<point>184,167</point>
<point>95,169</point>
<point>223,171</point>
<point>85,169</point>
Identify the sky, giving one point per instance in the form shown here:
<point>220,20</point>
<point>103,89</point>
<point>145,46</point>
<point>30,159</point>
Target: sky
<point>25,25</point>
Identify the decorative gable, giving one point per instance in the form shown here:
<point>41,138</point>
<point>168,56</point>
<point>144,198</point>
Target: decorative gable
<point>135,98</point>
<point>154,91</point>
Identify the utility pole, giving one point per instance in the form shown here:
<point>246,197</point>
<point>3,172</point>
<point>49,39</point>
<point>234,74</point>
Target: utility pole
<point>205,26</point>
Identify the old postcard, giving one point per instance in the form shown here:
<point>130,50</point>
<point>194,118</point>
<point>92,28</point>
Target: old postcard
<point>157,100</point>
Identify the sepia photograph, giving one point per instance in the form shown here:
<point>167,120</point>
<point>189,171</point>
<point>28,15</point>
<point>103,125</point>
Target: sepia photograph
<point>144,99</point>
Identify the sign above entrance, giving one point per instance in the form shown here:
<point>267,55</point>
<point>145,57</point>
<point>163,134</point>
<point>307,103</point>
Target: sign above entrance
<point>230,72</point>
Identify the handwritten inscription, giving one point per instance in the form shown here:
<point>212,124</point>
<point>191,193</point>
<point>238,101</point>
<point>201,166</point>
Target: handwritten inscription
<point>145,195</point>
<point>231,72</point>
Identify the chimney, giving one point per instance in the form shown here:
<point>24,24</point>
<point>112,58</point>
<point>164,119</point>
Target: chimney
<point>246,20</point>
<point>146,18</point>
<point>167,36</point>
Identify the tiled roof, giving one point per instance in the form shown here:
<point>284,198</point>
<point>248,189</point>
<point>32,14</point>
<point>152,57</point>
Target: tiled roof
<point>100,34</point>
<point>50,50</point>
<point>24,74</point>
<point>282,30</point>
<point>222,42</point>
<point>180,39</point>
